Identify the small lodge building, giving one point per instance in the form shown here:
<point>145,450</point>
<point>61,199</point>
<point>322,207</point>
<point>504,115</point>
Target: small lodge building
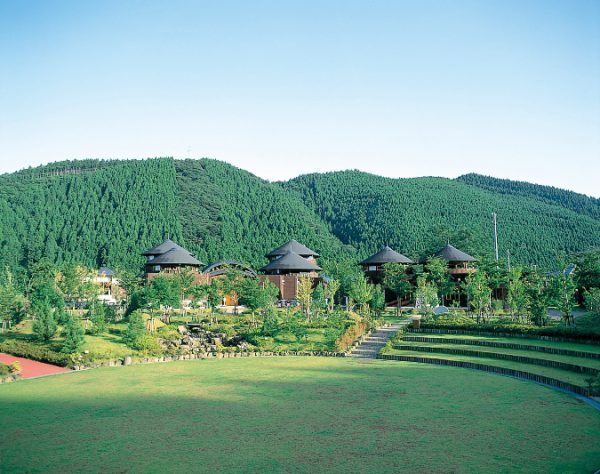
<point>373,268</point>
<point>460,265</point>
<point>169,258</point>
<point>110,290</point>
<point>286,264</point>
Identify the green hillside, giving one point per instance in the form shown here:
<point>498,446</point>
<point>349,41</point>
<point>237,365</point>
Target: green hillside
<point>418,215</point>
<point>106,212</point>
<point>579,203</point>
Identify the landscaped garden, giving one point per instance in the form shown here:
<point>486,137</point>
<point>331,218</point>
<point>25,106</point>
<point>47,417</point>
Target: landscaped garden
<point>293,415</point>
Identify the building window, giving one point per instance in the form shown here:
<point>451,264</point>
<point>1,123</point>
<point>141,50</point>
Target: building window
<point>372,268</point>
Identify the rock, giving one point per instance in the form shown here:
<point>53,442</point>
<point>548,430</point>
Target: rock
<point>182,330</point>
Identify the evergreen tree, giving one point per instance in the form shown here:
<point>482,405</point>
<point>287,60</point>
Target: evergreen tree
<point>45,325</point>
<point>73,334</point>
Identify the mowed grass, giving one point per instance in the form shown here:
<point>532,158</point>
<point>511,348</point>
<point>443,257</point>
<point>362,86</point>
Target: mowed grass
<point>574,346</point>
<point>293,414</point>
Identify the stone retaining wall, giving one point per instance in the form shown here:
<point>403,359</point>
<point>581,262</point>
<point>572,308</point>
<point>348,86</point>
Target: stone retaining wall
<point>206,355</point>
<point>492,369</point>
<point>505,345</point>
<point>510,357</point>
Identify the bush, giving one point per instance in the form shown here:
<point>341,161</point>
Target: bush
<point>15,367</point>
<point>350,335</point>
<point>4,370</point>
<point>35,352</point>
<point>148,344</point>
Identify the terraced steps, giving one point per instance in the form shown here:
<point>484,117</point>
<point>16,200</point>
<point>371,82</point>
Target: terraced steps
<point>371,345</point>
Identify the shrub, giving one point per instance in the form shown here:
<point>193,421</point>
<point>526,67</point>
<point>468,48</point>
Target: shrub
<point>15,367</point>
<point>350,335</point>
<point>73,334</point>
<point>148,344</point>
<point>4,370</point>
<point>33,351</point>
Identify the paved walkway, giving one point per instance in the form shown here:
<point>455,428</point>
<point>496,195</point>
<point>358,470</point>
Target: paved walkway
<point>32,368</point>
<point>373,343</point>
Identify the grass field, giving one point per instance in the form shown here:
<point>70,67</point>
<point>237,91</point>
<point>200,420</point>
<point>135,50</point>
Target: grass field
<point>293,415</point>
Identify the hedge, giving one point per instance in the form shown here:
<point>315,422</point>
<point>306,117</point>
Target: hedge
<point>33,351</point>
<point>355,331</point>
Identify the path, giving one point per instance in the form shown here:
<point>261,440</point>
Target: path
<point>32,368</point>
<point>373,343</point>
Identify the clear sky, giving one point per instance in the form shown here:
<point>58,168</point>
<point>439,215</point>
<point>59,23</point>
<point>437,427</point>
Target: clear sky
<point>280,88</point>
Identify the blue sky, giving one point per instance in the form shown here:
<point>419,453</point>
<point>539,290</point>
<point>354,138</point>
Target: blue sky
<point>398,88</point>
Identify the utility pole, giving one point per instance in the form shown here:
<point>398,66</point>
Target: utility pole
<point>495,235</point>
<point>508,258</point>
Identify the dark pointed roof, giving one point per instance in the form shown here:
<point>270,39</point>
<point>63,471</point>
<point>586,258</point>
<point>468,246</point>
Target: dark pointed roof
<point>291,261</point>
<point>163,248</point>
<point>292,246</point>
<point>175,256</point>
<point>452,254</point>
<point>386,255</point>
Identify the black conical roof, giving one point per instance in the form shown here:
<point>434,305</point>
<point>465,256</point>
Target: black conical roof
<point>291,261</point>
<point>163,248</point>
<point>292,246</point>
<point>176,256</point>
<point>452,254</point>
<point>386,255</point>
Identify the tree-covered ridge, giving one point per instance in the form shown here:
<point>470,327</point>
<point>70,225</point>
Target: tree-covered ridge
<point>104,217</point>
<point>416,216</point>
<point>228,213</point>
<point>579,203</point>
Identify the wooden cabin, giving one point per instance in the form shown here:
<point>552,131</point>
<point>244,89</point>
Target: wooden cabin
<point>373,268</point>
<point>286,264</point>
<point>460,265</point>
<point>110,290</point>
<point>169,258</point>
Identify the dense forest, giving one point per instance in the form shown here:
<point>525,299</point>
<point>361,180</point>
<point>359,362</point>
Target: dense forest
<point>418,215</point>
<point>98,212</point>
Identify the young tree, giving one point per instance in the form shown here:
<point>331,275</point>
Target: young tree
<point>479,293</point>
<point>258,296</point>
<point>12,303</point>
<point>304,294</point>
<point>329,291</point>
<point>136,329</point>
<point>437,273</point>
<point>44,326</point>
<point>97,315</point>
<point>361,291</point>
<point>563,296</point>
<point>426,295</point>
<point>537,299</point>
<point>395,279</point>
<point>517,293</point>
<point>378,299</point>
<point>73,334</point>
<point>592,300</point>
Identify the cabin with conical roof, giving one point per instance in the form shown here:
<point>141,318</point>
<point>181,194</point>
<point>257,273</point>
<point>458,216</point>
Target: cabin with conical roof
<point>373,267</point>
<point>459,262</point>
<point>287,263</point>
<point>169,258</point>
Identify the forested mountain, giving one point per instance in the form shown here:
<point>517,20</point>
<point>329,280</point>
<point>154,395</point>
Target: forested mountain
<point>107,212</point>
<point>418,215</point>
<point>576,202</point>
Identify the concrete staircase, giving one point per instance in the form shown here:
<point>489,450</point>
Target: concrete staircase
<point>374,342</point>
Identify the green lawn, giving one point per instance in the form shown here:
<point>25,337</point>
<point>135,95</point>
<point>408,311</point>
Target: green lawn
<point>558,374</point>
<point>580,361</point>
<point>293,415</point>
<point>515,340</point>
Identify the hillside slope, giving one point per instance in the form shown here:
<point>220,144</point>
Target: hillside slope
<point>107,212</point>
<point>418,215</point>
